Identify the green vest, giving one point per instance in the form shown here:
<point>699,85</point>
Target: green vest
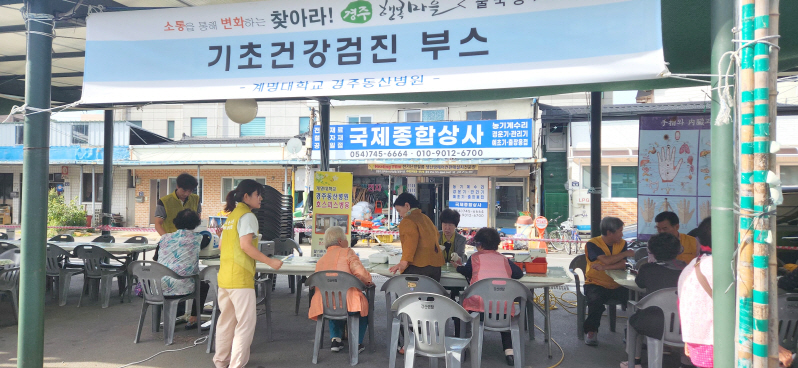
<point>236,269</point>
<point>173,206</point>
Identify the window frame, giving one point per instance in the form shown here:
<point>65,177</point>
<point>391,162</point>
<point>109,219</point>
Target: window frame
<point>609,182</point>
<point>191,130</point>
<point>241,128</point>
<point>233,178</point>
<point>74,136</point>
<point>170,124</point>
<point>359,119</point>
<point>481,113</point>
<point>87,184</point>
<point>403,113</point>
<point>300,125</point>
<point>19,134</point>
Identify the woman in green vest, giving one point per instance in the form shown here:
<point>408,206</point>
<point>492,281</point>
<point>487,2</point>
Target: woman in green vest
<point>236,295</point>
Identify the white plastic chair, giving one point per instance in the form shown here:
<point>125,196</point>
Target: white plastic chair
<point>499,298</point>
<point>666,300</point>
<point>400,285</point>
<point>788,321</point>
<point>428,314</point>
<point>211,275</point>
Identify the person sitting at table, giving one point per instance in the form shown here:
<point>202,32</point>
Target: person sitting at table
<point>179,251</point>
<point>605,252</point>
<point>488,263</point>
<point>453,243</point>
<point>664,273</point>
<point>235,326</point>
<point>340,257</point>
<point>421,254</point>
<point>668,222</point>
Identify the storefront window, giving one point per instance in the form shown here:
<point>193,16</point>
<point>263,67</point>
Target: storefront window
<point>605,192</point>
<point>624,181</point>
<point>789,175</point>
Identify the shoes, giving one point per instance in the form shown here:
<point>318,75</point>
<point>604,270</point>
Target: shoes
<point>591,339</point>
<point>191,326</point>
<point>361,348</point>
<point>510,360</point>
<point>625,364</point>
<point>336,345</point>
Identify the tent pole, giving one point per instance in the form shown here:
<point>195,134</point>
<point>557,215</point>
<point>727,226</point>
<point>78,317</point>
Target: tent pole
<point>722,161</point>
<point>108,169</point>
<point>36,157</point>
<point>595,163</point>
<point>773,326</point>
<point>324,137</point>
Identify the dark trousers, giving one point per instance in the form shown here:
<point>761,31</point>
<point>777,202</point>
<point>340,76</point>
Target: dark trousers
<point>595,297</point>
<point>181,308</point>
<point>430,271</point>
<point>648,322</point>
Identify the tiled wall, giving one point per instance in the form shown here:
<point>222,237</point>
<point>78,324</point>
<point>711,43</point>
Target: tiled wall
<point>626,210</point>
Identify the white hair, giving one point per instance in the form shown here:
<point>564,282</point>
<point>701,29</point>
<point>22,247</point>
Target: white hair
<point>333,235</point>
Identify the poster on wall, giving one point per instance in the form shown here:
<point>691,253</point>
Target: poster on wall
<point>469,197</point>
<point>332,206</point>
<point>673,171</point>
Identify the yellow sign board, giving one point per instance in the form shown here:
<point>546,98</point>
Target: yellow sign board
<point>332,206</point>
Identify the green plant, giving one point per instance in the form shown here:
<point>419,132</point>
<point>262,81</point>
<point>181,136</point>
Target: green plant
<point>61,213</point>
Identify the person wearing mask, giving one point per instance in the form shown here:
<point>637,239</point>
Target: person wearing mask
<point>453,243</point>
<point>169,205</point>
<point>179,251</point>
<point>236,295</point>
<point>668,222</point>
<point>605,252</point>
<point>488,263</point>
<point>653,276</point>
<point>421,254</point>
<point>340,257</point>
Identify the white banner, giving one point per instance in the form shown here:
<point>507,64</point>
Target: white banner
<point>283,48</point>
<point>469,197</point>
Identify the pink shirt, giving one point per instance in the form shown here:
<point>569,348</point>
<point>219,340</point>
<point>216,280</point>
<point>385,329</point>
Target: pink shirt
<point>695,305</point>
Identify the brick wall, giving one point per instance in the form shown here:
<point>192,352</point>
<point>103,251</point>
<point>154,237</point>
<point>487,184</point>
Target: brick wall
<point>212,186</point>
<point>626,210</point>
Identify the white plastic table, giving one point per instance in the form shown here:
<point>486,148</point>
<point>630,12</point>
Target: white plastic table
<point>299,266</point>
<point>625,279</point>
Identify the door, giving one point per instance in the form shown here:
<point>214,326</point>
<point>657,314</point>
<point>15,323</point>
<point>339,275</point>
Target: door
<point>429,198</point>
<point>157,190</point>
<point>509,202</point>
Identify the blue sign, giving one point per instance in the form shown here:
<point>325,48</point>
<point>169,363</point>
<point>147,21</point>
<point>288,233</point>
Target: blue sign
<point>433,140</point>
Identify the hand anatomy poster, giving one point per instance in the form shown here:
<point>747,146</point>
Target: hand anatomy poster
<point>673,171</point>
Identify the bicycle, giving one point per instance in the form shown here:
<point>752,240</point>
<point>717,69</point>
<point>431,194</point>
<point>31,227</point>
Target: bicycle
<point>570,234</point>
<point>556,237</point>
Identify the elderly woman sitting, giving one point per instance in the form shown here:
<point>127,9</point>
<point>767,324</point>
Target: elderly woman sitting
<point>179,251</point>
<point>340,257</point>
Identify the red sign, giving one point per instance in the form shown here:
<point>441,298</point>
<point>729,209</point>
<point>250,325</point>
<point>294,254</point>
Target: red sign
<point>64,170</point>
<point>541,223</point>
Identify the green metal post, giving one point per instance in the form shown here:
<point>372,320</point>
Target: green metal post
<point>723,235</point>
<point>36,157</point>
<point>108,168</point>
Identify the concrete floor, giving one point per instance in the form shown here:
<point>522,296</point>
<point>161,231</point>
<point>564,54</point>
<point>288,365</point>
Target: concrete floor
<point>90,337</point>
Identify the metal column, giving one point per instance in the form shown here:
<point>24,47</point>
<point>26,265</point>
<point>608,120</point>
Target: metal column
<point>36,157</point>
<point>595,163</point>
<point>722,161</point>
<point>108,169</point>
<point>324,137</point>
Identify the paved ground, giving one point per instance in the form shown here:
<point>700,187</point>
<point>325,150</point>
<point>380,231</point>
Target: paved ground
<point>94,337</point>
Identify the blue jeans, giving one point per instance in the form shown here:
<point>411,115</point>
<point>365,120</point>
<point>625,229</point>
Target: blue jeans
<point>337,327</point>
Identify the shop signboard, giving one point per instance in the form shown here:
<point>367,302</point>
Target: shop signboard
<point>673,171</point>
<point>290,49</point>
<point>332,206</point>
<point>423,169</point>
<point>469,197</point>
<point>425,141</point>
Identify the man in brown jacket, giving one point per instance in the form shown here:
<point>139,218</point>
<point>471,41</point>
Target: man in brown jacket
<point>421,254</point>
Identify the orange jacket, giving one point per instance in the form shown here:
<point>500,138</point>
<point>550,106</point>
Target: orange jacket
<point>342,259</point>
